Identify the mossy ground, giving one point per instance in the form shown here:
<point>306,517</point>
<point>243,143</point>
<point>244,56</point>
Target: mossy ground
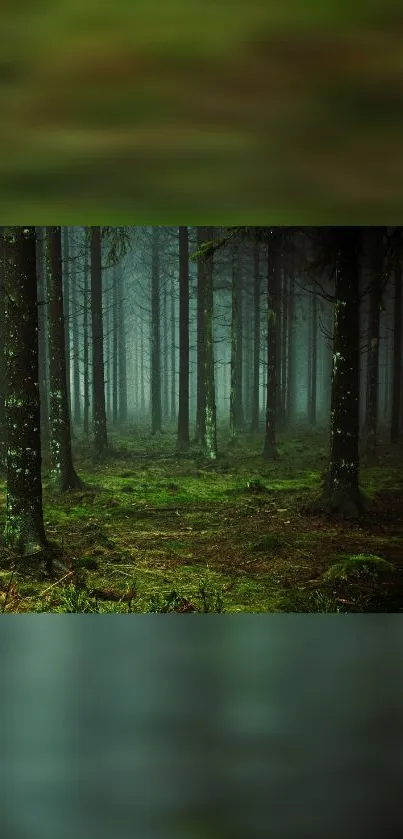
<point>157,531</point>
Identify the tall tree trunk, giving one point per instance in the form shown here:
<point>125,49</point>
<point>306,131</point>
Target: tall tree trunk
<point>122,363</point>
<point>166,367</point>
<point>210,419</point>
<point>24,528</point>
<point>156,409</point>
<point>98,386</point>
<point>273,280</point>
<point>115,330</point>
<point>239,344</point>
<point>200,395</point>
<point>3,447</point>
<point>256,340</point>
<point>173,353</point>
<point>43,358</point>
<point>291,384</point>
<point>66,303</point>
<point>62,470</point>
<point>284,340</point>
<point>341,485</point>
<point>233,405</point>
<point>86,366</point>
<point>76,345</point>
<point>397,354</point>
<point>183,416</point>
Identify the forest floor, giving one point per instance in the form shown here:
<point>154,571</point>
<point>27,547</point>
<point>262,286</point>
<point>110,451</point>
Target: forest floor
<point>155,531</point>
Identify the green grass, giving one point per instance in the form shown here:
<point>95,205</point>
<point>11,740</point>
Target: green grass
<point>184,534</point>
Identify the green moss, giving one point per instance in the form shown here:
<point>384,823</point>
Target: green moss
<point>355,565</point>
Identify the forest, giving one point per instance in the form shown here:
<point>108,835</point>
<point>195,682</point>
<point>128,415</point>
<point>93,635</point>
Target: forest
<point>201,419</point>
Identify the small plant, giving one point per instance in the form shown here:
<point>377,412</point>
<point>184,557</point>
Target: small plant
<point>172,602</point>
<point>312,602</point>
<point>210,595</point>
<point>354,566</point>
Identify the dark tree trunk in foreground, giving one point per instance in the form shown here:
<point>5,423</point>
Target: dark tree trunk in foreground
<point>183,416</point>
<point>98,385</point>
<point>66,307</point>
<point>377,259</point>
<point>76,346</point>
<point>341,486</point>
<point>61,461</point>
<point>273,278</point>
<point>2,371</point>
<point>200,394</point>
<point>210,421</point>
<point>43,357</point>
<point>156,407</point>
<point>397,354</point>
<point>24,527</point>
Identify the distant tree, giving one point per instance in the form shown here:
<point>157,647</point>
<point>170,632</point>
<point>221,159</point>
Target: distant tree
<point>156,406</point>
<point>98,384</point>
<point>274,242</point>
<point>24,528</point>
<point>256,335</point>
<point>183,416</point>
<point>201,237</point>
<point>61,460</point>
<point>122,371</point>
<point>86,370</point>
<point>75,334</point>
<point>209,439</point>
<point>313,350</point>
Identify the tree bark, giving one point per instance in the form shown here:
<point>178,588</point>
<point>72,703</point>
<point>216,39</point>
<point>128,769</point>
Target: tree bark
<point>377,260</point>
<point>256,339</point>
<point>273,271</point>
<point>210,419</point>
<point>183,417</point>
<point>200,394</point>
<point>24,528</point>
<point>397,354</point>
<point>98,385</point>
<point>62,470</point>
<point>156,408</point>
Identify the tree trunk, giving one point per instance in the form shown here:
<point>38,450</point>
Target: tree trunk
<point>76,346</point>
<point>115,331</point>
<point>66,304</point>
<point>62,470</point>
<point>273,279</point>
<point>233,404</point>
<point>200,395</point>
<point>122,363</point>
<point>173,353</point>
<point>24,528</point>
<point>86,368</point>
<point>156,410</point>
<point>166,351</point>
<point>43,358</point>
<point>397,354</point>
<point>291,385</point>
<point>210,419</point>
<point>98,385</point>
<point>3,447</point>
<point>341,485</point>
<point>256,339</point>
<point>183,417</point>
